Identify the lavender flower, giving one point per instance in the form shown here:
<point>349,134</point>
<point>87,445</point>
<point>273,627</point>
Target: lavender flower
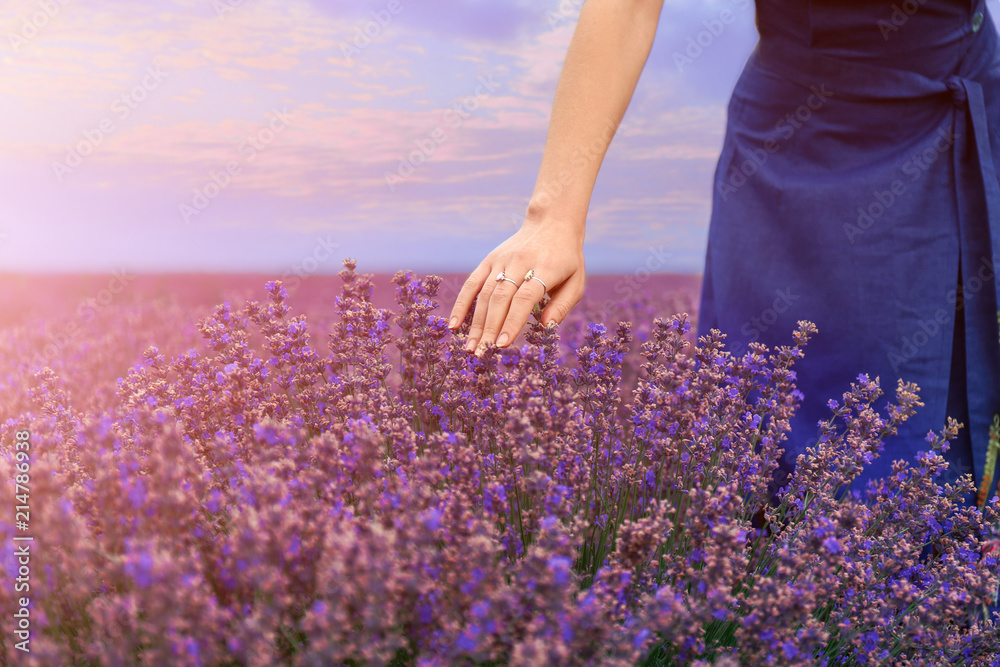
<point>587,499</point>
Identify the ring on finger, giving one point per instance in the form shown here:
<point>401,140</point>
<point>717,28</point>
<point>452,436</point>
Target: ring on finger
<point>530,275</point>
<point>501,276</point>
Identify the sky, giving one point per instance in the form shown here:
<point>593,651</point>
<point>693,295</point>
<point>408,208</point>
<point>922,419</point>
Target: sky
<point>266,135</point>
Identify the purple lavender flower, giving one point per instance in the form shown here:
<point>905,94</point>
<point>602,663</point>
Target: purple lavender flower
<point>387,496</point>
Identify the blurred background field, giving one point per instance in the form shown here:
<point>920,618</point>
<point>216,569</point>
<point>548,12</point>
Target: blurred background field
<point>91,328</point>
<point>27,298</point>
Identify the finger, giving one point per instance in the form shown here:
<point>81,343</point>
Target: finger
<point>469,290</point>
<point>499,304</point>
<point>525,299</point>
<point>500,301</point>
<point>479,315</point>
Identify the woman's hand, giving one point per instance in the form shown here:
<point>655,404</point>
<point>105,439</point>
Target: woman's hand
<point>554,252</point>
<point>610,44</point>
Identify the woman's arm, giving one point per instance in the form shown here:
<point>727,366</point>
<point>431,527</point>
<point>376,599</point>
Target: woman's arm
<point>603,63</point>
<point>608,51</point>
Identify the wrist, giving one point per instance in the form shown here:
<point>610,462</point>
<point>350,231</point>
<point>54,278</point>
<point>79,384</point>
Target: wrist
<point>542,215</point>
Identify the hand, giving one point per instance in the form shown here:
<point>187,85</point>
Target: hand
<point>502,309</point>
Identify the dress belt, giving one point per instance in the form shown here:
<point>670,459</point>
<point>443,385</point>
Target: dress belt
<point>866,83</point>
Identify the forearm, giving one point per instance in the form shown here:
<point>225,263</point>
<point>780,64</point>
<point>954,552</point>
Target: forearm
<point>603,63</point>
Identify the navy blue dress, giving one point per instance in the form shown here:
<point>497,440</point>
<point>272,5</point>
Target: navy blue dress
<point>857,188</point>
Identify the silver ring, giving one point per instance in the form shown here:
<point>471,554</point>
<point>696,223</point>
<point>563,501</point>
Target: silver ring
<point>530,275</point>
<point>501,276</point>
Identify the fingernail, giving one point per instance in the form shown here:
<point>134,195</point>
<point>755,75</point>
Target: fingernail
<point>470,345</point>
<point>502,340</point>
<point>453,323</point>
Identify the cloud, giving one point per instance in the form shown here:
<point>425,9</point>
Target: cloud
<point>471,20</point>
<point>355,119</point>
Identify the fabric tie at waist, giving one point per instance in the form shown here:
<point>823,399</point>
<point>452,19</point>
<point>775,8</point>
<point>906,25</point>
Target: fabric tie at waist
<point>869,83</point>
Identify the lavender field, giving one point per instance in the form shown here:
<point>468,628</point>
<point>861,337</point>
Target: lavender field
<point>233,470</point>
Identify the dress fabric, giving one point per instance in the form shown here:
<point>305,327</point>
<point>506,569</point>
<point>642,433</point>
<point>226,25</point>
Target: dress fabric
<point>857,188</point>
